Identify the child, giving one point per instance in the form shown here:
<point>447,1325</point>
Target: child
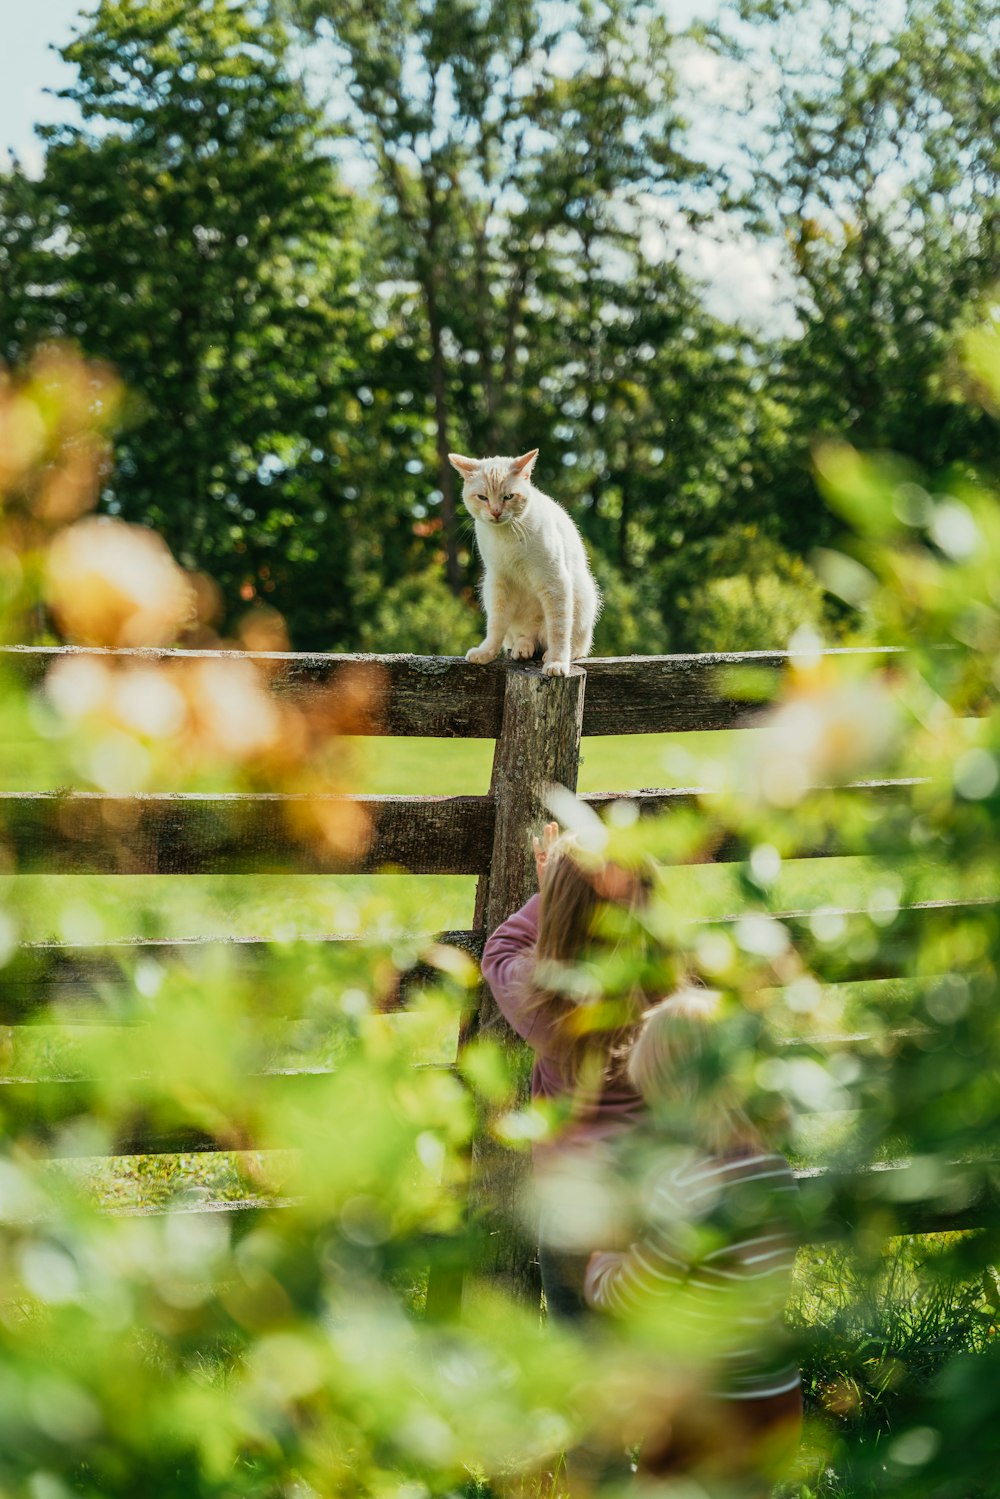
<point>531,963</point>
<point>713,1264</point>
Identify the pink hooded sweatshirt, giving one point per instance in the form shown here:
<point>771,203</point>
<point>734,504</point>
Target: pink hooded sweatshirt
<point>508,963</point>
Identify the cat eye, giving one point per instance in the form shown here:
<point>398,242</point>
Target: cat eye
<point>483,498</point>
<point>506,497</point>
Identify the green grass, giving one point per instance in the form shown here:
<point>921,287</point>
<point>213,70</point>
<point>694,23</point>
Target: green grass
<point>624,762</point>
<point>461,767</point>
<point>93,909</point>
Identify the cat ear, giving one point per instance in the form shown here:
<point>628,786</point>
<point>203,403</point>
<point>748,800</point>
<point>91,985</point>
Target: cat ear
<point>522,466</point>
<point>465,466</point>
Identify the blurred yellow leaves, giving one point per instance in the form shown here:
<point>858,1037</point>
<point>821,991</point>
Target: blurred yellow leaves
<point>109,583</point>
<point>833,726</point>
<point>214,721</point>
<point>22,437</point>
<point>53,448</point>
<point>106,582</point>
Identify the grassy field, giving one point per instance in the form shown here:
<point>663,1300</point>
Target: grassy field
<point>93,909</point>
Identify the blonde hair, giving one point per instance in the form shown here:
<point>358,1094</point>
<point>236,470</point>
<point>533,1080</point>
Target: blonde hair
<point>674,1063</point>
<point>593,1031</point>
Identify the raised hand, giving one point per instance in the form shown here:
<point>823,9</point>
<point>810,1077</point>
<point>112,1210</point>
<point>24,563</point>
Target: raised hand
<point>542,848</point>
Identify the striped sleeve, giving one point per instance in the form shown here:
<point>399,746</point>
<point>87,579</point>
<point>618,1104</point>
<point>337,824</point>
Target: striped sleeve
<point>659,1261</point>
<point>668,1256</point>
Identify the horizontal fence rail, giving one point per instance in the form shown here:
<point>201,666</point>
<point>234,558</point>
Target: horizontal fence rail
<point>63,1114</point>
<point>85,984</point>
<point>87,832</point>
<point>447,697</point>
<point>970,1201</point>
<point>70,976</point>
<point>161,1124</point>
<point>262,833</point>
<point>836,1203</point>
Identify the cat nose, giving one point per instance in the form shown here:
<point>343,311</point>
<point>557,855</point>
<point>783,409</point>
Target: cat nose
<point>496,514</point>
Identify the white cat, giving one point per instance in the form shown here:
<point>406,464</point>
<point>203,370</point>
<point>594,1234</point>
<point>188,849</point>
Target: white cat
<point>538,589</point>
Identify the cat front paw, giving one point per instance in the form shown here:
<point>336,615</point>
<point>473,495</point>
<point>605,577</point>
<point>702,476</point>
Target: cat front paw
<point>555,669</point>
<point>480,655</point>
<point>523,649</point>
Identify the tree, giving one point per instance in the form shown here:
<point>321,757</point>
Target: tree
<point>192,231</point>
<point>876,160</point>
<point>513,147</point>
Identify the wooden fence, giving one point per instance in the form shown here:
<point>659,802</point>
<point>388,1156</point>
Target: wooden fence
<point>537,725</point>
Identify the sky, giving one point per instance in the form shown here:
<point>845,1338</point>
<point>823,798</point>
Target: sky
<point>28,66</point>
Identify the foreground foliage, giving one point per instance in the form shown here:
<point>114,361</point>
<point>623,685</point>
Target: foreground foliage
<point>295,1349</point>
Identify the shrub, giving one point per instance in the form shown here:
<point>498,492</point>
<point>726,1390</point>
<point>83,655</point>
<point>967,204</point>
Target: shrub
<point>631,622</point>
<point>421,614</point>
<point>750,595</point>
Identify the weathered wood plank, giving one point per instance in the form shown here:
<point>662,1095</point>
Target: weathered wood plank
<point>845,945</point>
<point>877,799</point>
<point>39,1106</point>
<point>41,956</point>
<point>95,833</point>
<point>836,1204</point>
<point>87,984</point>
<point>667,694</point>
<point>47,973</point>
<point>63,1116</point>
<point>150,833</point>
<point>829,1201</point>
<point>447,697</point>
<point>438,697</point>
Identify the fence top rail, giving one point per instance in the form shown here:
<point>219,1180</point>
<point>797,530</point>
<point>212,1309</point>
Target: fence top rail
<point>448,697</point>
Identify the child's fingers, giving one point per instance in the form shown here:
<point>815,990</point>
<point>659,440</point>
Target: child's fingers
<point>543,846</point>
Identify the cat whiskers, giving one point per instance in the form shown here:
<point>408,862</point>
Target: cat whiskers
<point>519,530</point>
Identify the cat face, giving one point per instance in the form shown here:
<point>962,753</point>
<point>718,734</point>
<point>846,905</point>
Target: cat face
<point>496,490</point>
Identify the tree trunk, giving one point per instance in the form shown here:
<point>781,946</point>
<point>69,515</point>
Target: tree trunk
<point>446,474</point>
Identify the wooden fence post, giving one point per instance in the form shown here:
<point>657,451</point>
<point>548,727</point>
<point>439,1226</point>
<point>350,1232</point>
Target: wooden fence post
<point>538,746</point>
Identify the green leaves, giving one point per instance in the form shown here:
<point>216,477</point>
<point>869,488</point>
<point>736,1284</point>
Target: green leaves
<point>194,232</point>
